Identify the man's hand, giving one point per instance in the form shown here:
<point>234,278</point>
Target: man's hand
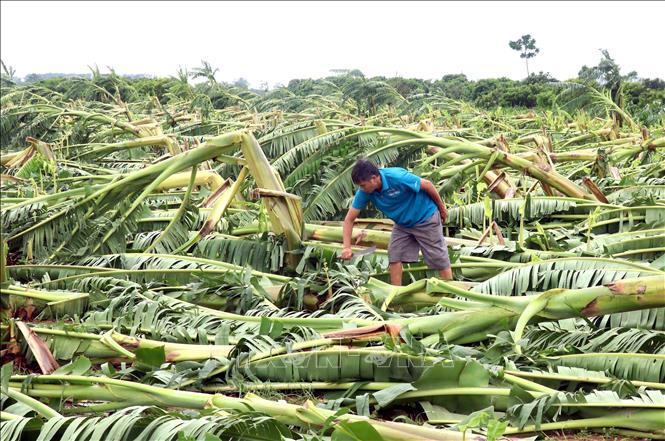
<point>431,191</point>
<point>444,214</point>
<point>347,232</point>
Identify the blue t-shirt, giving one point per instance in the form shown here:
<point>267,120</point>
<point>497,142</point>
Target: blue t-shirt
<point>400,198</point>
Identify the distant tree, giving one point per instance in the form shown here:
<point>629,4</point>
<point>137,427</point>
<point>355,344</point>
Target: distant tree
<point>205,71</point>
<point>607,75</point>
<point>157,87</point>
<point>179,85</point>
<point>356,73</point>
<point>301,87</point>
<point>646,99</point>
<point>487,92</point>
<point>350,72</point>
<point>241,83</point>
<point>33,78</point>
<point>455,86</point>
<point>371,94</point>
<point>408,86</point>
<point>540,78</point>
<point>655,83</point>
<point>527,48</point>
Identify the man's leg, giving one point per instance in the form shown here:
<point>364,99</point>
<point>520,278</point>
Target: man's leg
<point>395,270</point>
<point>430,238</point>
<point>403,247</point>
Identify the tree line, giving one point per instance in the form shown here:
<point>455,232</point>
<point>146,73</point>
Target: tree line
<point>642,97</point>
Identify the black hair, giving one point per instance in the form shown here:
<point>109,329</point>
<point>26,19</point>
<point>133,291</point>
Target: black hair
<point>363,171</point>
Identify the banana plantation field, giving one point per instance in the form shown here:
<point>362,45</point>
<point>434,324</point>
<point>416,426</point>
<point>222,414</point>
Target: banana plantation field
<point>171,270</point>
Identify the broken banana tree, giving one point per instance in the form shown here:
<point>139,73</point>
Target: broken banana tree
<point>482,315</point>
<point>126,393</point>
<point>110,210</point>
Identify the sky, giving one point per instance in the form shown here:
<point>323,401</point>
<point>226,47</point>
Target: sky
<point>274,42</point>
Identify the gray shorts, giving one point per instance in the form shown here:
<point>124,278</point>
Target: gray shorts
<point>426,237</point>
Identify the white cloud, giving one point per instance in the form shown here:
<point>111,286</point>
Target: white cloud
<point>277,41</point>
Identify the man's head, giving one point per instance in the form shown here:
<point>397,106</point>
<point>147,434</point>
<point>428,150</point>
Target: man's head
<point>366,175</point>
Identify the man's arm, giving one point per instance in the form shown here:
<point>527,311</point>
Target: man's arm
<point>347,231</point>
<point>429,188</point>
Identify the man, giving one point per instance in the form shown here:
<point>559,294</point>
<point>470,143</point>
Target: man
<point>416,208</point>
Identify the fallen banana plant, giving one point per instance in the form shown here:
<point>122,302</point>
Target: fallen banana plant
<point>170,265</point>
